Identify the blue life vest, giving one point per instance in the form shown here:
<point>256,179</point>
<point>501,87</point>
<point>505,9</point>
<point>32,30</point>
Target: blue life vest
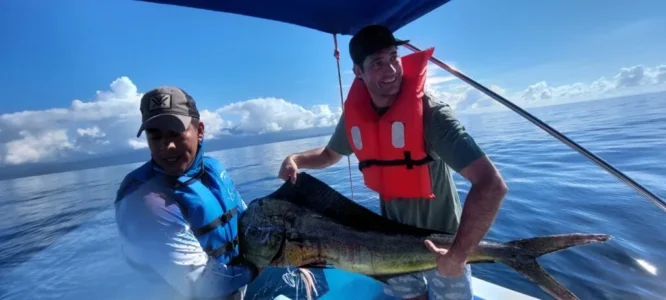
<point>205,195</point>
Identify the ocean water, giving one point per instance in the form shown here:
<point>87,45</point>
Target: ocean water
<point>58,238</point>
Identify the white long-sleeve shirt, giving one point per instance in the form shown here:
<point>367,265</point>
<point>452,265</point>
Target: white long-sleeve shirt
<point>155,234</point>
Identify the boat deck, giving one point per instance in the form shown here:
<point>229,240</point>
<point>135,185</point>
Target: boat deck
<point>331,283</point>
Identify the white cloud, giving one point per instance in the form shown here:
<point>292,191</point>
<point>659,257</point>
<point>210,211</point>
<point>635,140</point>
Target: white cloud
<point>630,80</point>
<point>630,77</point>
<point>137,144</point>
<point>86,127</point>
<point>34,148</point>
<point>661,74</point>
<point>110,120</point>
<point>214,125</point>
<point>657,75</point>
<point>458,94</point>
<point>90,140</point>
<point>270,114</point>
<point>91,132</point>
<point>437,76</point>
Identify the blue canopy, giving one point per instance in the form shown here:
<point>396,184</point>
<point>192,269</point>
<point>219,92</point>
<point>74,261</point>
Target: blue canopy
<point>330,16</point>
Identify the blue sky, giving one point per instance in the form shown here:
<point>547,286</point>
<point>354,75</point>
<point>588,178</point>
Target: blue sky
<point>55,52</point>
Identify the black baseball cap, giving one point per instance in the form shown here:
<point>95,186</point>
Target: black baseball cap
<point>369,40</point>
<point>167,107</point>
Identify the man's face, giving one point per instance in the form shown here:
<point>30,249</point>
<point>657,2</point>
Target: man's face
<point>174,151</point>
<point>382,74</point>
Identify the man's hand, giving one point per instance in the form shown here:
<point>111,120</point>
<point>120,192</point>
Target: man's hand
<point>317,158</point>
<point>448,263</point>
<point>288,170</point>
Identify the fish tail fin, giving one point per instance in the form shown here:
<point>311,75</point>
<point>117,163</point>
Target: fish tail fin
<point>532,248</point>
<point>535,273</point>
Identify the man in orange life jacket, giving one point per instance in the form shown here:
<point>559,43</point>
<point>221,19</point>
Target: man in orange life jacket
<point>406,143</point>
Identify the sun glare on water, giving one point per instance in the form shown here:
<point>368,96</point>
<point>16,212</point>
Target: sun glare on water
<point>647,266</point>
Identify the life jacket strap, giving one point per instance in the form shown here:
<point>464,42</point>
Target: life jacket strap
<point>407,161</point>
<point>229,246</point>
<point>198,176</point>
<point>221,220</point>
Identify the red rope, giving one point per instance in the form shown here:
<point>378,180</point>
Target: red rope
<point>336,53</point>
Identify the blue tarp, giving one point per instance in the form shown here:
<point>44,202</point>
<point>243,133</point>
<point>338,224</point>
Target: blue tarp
<point>339,16</point>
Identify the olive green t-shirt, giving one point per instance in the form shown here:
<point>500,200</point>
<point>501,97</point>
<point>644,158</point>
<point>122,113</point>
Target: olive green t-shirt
<point>451,147</point>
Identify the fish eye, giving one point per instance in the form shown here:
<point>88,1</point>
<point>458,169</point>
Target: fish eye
<point>263,234</point>
<point>253,232</point>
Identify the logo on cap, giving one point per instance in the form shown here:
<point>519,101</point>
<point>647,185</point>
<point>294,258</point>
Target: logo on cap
<point>159,101</point>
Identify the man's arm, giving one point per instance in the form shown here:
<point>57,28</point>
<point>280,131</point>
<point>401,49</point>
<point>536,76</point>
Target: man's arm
<point>318,158</point>
<point>324,157</point>
<point>481,205</point>
<point>154,233</point>
<point>459,150</point>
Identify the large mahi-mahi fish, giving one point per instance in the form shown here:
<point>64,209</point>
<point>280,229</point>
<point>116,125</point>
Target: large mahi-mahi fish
<point>310,224</point>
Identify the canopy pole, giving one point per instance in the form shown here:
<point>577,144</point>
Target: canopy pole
<point>564,139</point>
<point>336,53</point>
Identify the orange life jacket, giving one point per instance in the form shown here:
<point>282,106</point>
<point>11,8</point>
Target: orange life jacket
<point>391,148</point>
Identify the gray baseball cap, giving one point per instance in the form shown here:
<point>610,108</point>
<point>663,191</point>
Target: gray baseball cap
<point>167,107</point>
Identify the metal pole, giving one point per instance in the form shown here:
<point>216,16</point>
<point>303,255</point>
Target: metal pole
<point>336,53</point>
<point>600,162</point>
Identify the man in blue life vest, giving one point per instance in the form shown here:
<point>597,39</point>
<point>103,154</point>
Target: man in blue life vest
<point>177,214</point>
<point>387,119</point>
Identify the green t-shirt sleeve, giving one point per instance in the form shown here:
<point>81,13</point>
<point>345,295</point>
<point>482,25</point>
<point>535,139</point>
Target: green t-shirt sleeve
<point>339,142</point>
<point>449,139</point>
